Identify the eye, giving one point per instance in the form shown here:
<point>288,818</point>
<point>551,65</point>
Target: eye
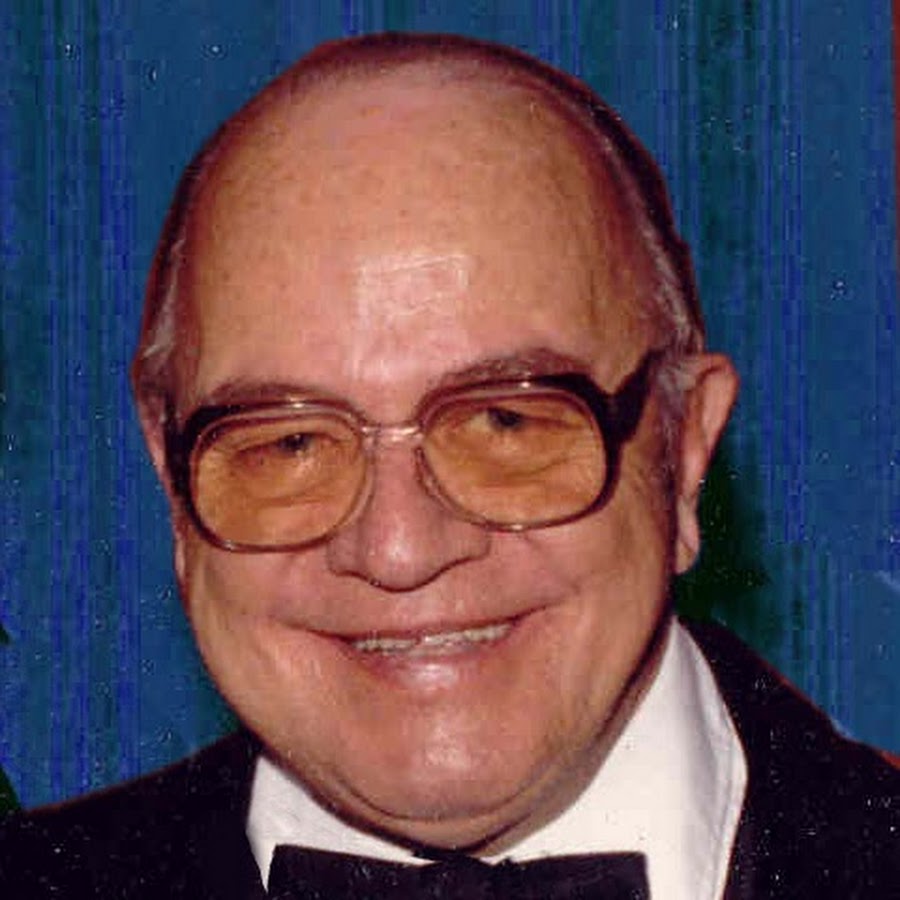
<point>297,443</point>
<point>504,419</point>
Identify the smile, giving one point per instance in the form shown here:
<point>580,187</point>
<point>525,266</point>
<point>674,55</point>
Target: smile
<point>436,644</point>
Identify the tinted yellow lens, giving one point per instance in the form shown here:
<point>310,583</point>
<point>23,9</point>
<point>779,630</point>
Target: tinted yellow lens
<point>271,481</point>
<point>517,458</point>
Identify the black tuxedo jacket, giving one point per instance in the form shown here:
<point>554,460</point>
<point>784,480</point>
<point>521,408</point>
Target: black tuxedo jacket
<point>821,818</point>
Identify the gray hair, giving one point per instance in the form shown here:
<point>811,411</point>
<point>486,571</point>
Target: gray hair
<point>165,348</point>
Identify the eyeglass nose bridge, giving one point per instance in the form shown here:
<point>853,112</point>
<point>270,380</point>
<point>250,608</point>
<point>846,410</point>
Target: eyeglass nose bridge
<point>378,436</point>
<point>391,435</point>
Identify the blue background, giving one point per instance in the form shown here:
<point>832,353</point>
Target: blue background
<point>773,123</point>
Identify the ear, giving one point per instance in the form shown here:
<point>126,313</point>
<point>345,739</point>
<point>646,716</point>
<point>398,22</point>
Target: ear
<point>152,416</point>
<point>712,388</point>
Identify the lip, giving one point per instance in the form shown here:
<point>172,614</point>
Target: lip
<point>434,641</point>
<point>435,652</point>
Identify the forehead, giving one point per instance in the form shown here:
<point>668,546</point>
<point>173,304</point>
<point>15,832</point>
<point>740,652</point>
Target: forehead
<point>405,211</point>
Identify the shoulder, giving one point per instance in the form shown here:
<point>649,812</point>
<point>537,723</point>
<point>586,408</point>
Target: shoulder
<point>820,809</point>
<point>142,838</point>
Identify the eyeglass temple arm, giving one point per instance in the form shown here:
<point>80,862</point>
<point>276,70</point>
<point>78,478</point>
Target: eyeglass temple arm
<point>626,406</point>
<point>618,412</point>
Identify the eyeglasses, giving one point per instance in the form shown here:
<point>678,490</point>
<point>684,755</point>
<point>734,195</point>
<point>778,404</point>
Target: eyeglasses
<point>508,455</point>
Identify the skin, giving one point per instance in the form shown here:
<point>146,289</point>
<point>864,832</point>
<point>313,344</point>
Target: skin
<point>371,241</point>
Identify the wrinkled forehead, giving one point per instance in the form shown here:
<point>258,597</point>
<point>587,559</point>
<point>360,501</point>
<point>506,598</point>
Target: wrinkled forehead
<point>352,163</point>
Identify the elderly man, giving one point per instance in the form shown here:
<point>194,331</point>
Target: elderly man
<point>422,372</point>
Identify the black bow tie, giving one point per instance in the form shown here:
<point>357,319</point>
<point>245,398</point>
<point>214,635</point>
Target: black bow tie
<point>301,874</point>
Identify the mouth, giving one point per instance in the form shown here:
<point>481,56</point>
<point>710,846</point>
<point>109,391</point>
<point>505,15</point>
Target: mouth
<point>433,644</point>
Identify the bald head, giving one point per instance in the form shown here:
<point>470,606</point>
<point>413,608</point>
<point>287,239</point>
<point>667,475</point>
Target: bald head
<point>503,101</point>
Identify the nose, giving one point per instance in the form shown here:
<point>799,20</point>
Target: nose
<point>403,537</point>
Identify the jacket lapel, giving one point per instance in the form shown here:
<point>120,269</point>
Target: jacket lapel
<point>822,814</point>
<point>217,858</point>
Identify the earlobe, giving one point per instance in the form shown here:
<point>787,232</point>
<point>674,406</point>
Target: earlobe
<point>713,385</point>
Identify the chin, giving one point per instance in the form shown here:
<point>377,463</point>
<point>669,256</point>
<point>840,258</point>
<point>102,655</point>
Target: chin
<point>446,798</point>
<point>457,822</point>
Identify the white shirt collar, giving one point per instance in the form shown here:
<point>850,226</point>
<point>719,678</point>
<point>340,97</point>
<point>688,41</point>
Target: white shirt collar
<point>672,787</point>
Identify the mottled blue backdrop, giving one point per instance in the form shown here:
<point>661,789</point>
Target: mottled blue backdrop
<point>773,122</point>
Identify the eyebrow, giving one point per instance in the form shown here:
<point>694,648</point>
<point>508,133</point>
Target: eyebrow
<point>514,366</point>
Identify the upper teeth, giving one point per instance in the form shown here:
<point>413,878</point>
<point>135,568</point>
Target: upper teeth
<point>424,643</point>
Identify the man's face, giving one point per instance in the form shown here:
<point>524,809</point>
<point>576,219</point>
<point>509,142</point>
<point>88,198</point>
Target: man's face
<point>368,245</point>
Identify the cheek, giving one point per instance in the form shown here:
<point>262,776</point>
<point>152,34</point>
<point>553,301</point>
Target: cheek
<point>227,598</point>
<point>619,565</point>
<point>279,679</point>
